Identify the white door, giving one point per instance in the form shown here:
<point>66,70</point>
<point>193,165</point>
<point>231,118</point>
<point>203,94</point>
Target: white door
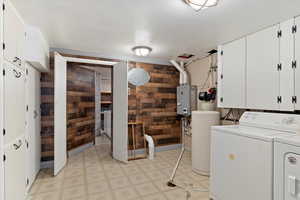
<point>60,114</point>
<point>286,60</point>
<point>120,112</point>
<point>297,59</point>
<point>233,78</point>
<point>32,136</point>
<point>15,181</point>
<point>14,102</point>
<point>11,34</point>
<point>262,74</point>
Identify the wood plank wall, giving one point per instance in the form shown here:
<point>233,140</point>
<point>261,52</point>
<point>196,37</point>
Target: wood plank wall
<point>155,105</point>
<point>47,114</point>
<point>80,106</point>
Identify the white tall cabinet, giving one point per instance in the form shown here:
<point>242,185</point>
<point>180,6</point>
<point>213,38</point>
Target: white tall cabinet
<point>13,102</point>
<point>14,126</point>
<point>232,74</point>
<point>262,82</point>
<point>286,60</point>
<point>297,62</point>
<point>1,110</point>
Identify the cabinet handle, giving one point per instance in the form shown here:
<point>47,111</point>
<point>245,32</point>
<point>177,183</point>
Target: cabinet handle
<point>35,114</point>
<point>17,146</point>
<point>16,59</point>
<point>17,74</point>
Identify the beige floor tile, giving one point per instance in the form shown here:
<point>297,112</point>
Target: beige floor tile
<point>176,194</point>
<point>138,178</point>
<point>148,167</point>
<point>158,196</point>
<point>101,196</point>
<point>74,172</point>
<point>199,196</point>
<point>121,182</point>
<point>146,189</point>
<point>95,177</point>
<point>97,187</point>
<point>114,174</point>
<point>49,187</point>
<point>73,181</point>
<point>162,185</point>
<point>205,184</point>
<point>47,196</point>
<point>127,193</point>
<point>74,192</point>
<point>155,175</point>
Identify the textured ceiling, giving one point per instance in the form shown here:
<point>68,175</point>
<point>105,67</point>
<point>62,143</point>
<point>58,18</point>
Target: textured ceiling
<point>112,27</point>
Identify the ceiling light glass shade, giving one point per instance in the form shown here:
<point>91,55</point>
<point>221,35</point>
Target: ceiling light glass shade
<point>142,50</point>
<point>201,4</point>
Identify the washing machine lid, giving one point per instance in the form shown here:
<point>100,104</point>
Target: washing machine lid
<point>292,140</point>
<point>250,132</point>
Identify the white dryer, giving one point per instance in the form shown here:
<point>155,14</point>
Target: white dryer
<point>242,156</point>
<point>287,168</point>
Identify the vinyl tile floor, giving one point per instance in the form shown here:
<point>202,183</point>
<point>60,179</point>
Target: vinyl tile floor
<point>94,175</point>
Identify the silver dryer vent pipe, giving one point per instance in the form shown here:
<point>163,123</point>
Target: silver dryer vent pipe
<point>184,78</point>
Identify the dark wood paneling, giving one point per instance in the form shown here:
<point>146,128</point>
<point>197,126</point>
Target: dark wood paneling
<point>80,106</point>
<point>155,105</point>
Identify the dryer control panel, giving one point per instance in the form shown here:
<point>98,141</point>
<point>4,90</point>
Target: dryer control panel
<point>276,121</point>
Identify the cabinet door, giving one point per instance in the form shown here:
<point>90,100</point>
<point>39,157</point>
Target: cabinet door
<point>15,181</point>
<point>233,76</point>
<point>287,71</point>
<point>32,136</point>
<point>220,78</point>
<point>13,29</point>
<point>262,74</point>
<point>14,102</point>
<point>297,58</point>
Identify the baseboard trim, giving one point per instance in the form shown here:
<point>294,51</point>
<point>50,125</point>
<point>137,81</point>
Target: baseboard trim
<point>47,164</point>
<point>80,149</point>
<point>157,149</point>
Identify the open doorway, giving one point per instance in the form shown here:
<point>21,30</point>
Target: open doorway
<point>89,107</point>
<point>119,133</point>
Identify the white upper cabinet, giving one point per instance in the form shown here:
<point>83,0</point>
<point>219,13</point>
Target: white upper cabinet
<point>232,74</point>
<point>36,49</point>
<point>286,62</point>
<point>262,74</point>
<point>13,34</point>
<point>297,59</point>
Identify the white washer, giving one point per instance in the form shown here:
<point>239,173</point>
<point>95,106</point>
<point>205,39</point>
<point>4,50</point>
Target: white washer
<point>242,156</point>
<point>287,168</point>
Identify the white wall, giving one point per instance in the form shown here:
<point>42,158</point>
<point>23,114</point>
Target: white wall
<point>198,71</point>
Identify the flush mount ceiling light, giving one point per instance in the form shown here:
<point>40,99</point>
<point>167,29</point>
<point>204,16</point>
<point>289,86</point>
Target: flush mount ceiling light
<point>141,50</point>
<point>201,4</point>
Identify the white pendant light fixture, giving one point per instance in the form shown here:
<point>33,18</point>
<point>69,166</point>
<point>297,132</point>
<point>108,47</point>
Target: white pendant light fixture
<point>141,50</point>
<point>201,4</point>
